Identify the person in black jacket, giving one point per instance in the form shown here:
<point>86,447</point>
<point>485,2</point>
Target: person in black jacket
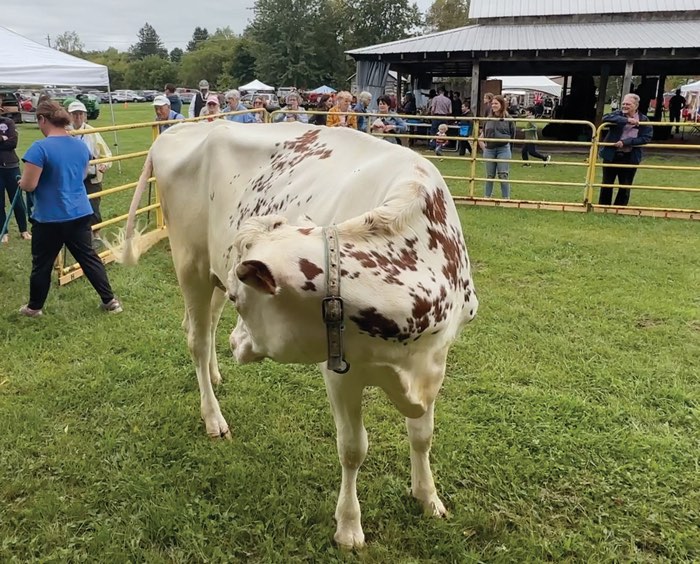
<point>627,133</point>
<point>9,171</point>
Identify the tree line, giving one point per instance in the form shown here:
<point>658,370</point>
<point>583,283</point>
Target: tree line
<point>288,42</point>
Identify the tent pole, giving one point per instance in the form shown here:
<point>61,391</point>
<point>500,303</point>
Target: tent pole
<point>114,124</point>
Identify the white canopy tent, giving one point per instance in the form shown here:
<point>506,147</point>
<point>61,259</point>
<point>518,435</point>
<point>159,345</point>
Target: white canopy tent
<point>323,90</point>
<point>532,83</point>
<point>256,86</point>
<point>692,87</point>
<point>25,62</point>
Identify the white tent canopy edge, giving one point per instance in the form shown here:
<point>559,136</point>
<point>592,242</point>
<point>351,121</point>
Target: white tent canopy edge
<point>25,62</point>
<point>256,86</point>
<point>534,83</point>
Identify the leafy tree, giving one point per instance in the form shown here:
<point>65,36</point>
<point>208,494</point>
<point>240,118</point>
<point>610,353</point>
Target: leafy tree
<point>151,72</point>
<point>447,14</point>
<point>69,42</point>
<point>116,61</point>
<point>149,43</point>
<point>212,59</point>
<point>176,55</point>
<point>296,43</point>
<point>199,36</point>
<point>369,22</point>
<point>224,33</point>
<point>242,67</point>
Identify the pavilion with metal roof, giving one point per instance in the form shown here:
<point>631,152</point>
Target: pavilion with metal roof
<point>573,38</point>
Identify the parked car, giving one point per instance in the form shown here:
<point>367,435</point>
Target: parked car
<point>126,96</point>
<point>103,96</point>
<point>186,94</point>
<point>10,104</point>
<point>282,92</point>
<point>148,95</point>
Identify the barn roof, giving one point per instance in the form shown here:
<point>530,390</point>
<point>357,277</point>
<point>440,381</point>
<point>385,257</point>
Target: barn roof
<point>489,9</point>
<point>546,36</point>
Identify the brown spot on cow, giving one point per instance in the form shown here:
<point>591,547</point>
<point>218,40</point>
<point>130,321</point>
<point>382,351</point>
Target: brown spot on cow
<point>436,207</point>
<point>309,269</point>
<point>305,230</point>
<point>375,324</point>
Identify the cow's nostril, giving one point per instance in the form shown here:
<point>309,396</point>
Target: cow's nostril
<point>231,297</point>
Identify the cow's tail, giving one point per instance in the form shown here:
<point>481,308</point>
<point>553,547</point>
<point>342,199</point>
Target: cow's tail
<point>129,243</point>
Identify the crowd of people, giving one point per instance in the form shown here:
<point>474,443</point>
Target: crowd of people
<point>57,177</point>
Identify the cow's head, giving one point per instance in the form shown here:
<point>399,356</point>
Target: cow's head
<point>277,284</point>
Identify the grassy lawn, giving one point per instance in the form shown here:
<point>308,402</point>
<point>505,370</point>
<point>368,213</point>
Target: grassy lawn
<point>568,428</point>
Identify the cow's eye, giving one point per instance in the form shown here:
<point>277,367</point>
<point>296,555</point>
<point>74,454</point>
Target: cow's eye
<point>232,297</point>
<point>247,246</point>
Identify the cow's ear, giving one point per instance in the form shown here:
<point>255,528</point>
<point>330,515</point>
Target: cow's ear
<point>255,274</point>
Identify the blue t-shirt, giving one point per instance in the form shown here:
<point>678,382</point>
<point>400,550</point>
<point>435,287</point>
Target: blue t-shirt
<point>60,194</point>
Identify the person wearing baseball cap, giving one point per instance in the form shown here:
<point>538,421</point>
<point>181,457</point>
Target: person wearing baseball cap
<point>161,104</point>
<point>199,100</point>
<point>98,150</point>
<point>212,108</point>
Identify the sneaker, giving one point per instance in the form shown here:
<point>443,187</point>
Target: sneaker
<point>438,152</point>
<point>546,161</point>
<point>29,312</point>
<point>5,238</point>
<point>26,235</point>
<point>112,306</point>
<point>526,164</point>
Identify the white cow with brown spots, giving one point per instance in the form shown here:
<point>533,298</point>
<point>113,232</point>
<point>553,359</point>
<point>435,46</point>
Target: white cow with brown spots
<point>245,207</point>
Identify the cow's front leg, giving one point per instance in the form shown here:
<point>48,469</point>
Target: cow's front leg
<point>198,296</point>
<point>345,395</point>
<point>420,436</point>
<point>218,300</point>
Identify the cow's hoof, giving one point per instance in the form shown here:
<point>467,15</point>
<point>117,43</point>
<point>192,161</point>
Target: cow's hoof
<point>433,506</point>
<point>218,429</point>
<point>349,538</point>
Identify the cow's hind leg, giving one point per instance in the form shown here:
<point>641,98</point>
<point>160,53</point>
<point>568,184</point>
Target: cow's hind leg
<point>420,436</point>
<point>197,292</point>
<point>426,382</point>
<point>218,300</point>
<point>345,395</point>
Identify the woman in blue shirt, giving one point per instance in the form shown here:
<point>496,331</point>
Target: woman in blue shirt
<point>54,169</point>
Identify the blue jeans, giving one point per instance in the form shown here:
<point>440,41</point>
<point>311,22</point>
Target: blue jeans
<point>498,169</point>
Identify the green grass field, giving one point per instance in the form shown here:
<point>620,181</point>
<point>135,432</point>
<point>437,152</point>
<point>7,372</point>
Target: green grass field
<point>568,428</point>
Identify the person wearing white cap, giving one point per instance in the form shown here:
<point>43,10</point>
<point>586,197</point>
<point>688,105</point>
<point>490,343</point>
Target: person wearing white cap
<point>199,100</point>
<point>163,112</point>
<point>98,150</point>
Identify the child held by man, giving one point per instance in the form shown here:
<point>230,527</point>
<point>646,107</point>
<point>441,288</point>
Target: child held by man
<point>441,139</point>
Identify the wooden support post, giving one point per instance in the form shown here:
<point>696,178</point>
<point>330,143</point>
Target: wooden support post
<point>627,80</point>
<point>475,92</point>
<point>602,90</point>
<point>659,110</point>
<point>399,93</point>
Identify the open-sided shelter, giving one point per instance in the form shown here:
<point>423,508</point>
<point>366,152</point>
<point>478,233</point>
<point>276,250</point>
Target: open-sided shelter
<point>577,40</point>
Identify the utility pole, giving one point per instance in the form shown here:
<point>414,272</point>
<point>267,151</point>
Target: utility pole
<point>48,39</point>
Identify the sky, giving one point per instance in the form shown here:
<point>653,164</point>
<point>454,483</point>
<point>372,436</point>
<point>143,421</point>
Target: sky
<point>104,23</point>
